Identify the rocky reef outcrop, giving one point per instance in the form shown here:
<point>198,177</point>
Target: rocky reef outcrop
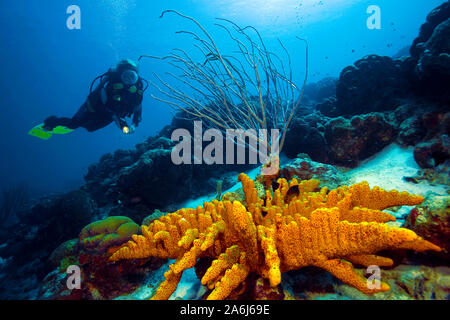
<point>131,183</point>
<point>352,140</point>
<point>380,100</point>
<point>374,83</point>
<point>431,220</point>
<point>319,91</point>
<point>407,282</point>
<point>30,243</point>
<point>430,53</point>
<point>89,252</point>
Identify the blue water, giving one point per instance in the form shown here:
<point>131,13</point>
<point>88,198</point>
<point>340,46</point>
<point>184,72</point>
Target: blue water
<point>46,69</point>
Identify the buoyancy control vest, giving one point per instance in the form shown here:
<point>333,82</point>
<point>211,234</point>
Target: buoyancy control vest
<point>120,98</point>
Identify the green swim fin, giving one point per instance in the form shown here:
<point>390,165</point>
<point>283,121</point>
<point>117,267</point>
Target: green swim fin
<point>62,130</point>
<point>39,131</point>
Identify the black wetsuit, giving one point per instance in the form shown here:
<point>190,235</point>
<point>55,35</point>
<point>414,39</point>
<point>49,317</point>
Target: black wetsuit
<point>120,101</point>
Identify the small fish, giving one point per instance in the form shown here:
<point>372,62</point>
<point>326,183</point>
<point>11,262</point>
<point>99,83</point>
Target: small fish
<point>292,193</point>
<point>411,180</point>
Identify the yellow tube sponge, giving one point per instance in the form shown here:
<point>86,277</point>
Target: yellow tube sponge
<point>294,226</point>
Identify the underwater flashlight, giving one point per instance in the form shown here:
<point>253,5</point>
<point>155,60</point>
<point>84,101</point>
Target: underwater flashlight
<point>126,130</point>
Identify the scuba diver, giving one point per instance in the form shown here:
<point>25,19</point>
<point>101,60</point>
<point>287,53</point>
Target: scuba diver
<point>118,95</point>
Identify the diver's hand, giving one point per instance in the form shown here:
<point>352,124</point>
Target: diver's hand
<point>128,129</point>
<point>123,125</point>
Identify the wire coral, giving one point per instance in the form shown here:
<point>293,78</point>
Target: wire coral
<point>248,88</point>
<point>295,226</point>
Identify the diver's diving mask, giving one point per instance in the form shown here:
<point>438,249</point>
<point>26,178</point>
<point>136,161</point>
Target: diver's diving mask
<point>129,77</point>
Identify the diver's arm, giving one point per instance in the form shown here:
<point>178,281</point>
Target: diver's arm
<point>123,125</point>
<point>120,123</point>
<point>101,84</point>
<point>137,115</point>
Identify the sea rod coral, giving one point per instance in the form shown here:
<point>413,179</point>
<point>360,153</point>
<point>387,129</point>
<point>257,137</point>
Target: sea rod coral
<point>295,226</point>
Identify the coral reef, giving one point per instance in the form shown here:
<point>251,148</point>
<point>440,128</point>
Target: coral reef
<point>347,141</point>
<point>378,83</point>
<point>374,83</point>
<point>350,141</point>
<point>90,252</point>
<point>432,153</point>
<point>439,175</point>
<point>378,101</point>
<point>303,168</point>
<point>431,54</point>
<point>412,131</point>
<point>305,135</point>
<point>406,99</point>
<point>154,216</point>
<point>112,231</point>
<point>66,214</point>
<point>321,90</point>
<point>29,244</point>
<point>137,185</point>
<point>297,226</point>
<point>431,220</point>
<point>434,18</point>
<point>64,254</point>
<point>407,282</point>
<point>12,200</point>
